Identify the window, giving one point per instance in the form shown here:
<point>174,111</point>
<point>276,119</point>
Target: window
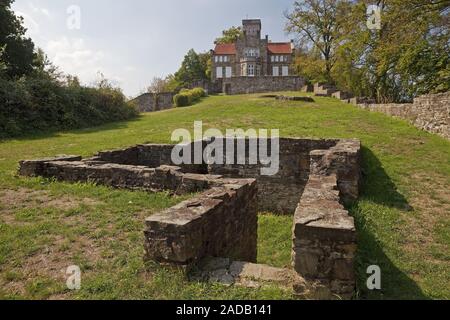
<point>219,72</point>
<point>221,59</point>
<point>272,58</point>
<point>225,59</point>
<point>251,52</point>
<point>285,71</point>
<point>251,70</point>
<point>228,72</point>
<point>277,58</point>
<point>276,71</point>
<point>216,59</point>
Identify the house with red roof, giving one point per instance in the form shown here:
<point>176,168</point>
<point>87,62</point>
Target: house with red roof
<point>252,56</point>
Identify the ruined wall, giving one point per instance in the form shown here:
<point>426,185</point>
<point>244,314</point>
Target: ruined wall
<point>164,178</point>
<point>221,222</point>
<point>314,180</point>
<point>245,85</point>
<point>151,155</point>
<point>281,192</point>
<point>429,112</point>
<point>148,102</point>
<point>324,240</point>
<point>324,233</point>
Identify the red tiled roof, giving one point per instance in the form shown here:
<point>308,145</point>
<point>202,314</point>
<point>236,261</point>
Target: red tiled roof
<point>229,48</point>
<point>279,48</point>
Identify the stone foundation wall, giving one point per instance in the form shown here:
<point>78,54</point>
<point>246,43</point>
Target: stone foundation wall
<point>221,222</point>
<point>324,240</point>
<point>149,102</point>
<point>324,233</point>
<point>315,177</point>
<point>430,112</point>
<point>281,192</point>
<point>246,85</point>
<point>164,178</point>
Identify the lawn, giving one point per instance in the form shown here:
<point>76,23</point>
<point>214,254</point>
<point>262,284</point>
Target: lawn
<point>403,215</point>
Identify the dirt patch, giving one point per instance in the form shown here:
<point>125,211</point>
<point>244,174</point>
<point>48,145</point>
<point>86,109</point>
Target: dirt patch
<point>52,262</point>
<point>27,198</point>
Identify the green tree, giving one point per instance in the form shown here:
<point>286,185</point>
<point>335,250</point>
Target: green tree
<point>230,35</point>
<point>18,53</point>
<point>317,23</point>
<point>408,56</point>
<point>192,69</point>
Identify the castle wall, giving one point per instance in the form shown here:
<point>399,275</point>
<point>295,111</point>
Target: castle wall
<point>246,85</point>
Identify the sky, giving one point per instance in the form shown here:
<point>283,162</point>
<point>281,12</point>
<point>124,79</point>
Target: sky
<point>131,42</point>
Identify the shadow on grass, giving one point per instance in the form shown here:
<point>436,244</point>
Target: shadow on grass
<point>38,135</point>
<point>395,284</point>
<point>379,188</point>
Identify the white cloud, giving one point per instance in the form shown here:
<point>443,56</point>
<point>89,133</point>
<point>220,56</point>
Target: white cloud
<point>38,10</point>
<point>73,56</point>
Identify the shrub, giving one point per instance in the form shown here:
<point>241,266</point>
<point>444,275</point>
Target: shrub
<point>188,97</point>
<point>181,100</point>
<point>36,104</point>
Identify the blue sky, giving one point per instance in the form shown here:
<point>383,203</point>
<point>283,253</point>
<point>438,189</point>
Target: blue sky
<point>133,41</point>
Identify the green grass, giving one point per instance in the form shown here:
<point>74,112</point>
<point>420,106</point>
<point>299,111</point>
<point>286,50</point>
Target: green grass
<point>402,216</point>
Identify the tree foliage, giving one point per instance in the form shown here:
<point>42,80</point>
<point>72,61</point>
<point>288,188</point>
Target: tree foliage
<point>317,23</point>
<point>194,68</point>
<point>18,55</point>
<point>36,96</point>
<point>230,35</point>
<point>408,56</point>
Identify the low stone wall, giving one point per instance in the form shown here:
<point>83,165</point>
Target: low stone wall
<point>279,193</point>
<point>429,112</point>
<point>221,222</point>
<point>246,85</point>
<point>163,178</point>
<point>314,178</point>
<point>149,102</point>
<point>324,240</point>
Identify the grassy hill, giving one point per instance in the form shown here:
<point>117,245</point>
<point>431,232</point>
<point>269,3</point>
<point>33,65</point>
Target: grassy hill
<point>402,217</point>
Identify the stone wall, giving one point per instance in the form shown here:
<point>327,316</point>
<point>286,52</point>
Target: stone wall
<point>163,178</point>
<point>221,222</point>
<point>324,240</point>
<point>281,192</point>
<point>149,102</point>
<point>314,179</point>
<point>246,85</point>
<point>429,112</point>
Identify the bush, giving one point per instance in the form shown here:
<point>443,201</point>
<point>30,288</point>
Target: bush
<point>181,100</point>
<point>37,104</point>
<point>188,97</point>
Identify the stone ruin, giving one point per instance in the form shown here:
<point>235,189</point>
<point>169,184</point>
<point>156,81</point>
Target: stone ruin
<point>216,230</point>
